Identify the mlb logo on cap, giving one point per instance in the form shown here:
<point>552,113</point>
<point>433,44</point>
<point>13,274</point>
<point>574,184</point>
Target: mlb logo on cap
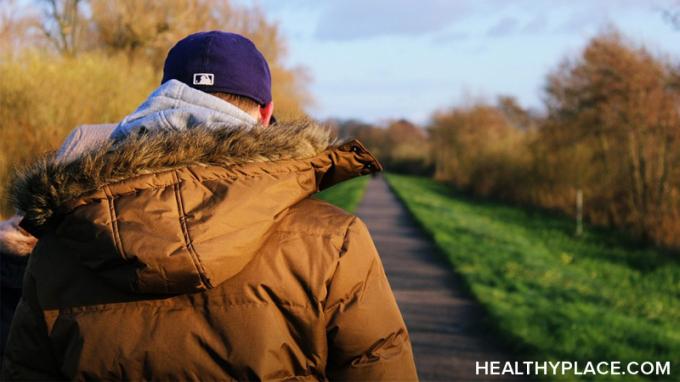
<point>204,79</point>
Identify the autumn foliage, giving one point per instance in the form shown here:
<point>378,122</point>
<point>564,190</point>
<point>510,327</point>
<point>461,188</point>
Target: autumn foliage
<point>611,130</point>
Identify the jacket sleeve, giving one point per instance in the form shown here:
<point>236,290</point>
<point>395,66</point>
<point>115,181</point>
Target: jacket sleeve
<point>367,337</point>
<point>28,354</point>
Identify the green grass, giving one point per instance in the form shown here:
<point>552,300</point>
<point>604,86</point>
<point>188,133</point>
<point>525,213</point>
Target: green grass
<point>549,294</point>
<point>345,195</point>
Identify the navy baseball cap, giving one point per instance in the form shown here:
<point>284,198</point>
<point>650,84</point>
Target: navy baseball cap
<point>219,61</point>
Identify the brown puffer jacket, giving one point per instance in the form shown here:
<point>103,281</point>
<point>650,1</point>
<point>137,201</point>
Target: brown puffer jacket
<point>199,255</point>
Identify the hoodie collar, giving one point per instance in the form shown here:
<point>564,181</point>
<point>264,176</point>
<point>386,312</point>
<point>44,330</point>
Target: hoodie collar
<point>174,106</point>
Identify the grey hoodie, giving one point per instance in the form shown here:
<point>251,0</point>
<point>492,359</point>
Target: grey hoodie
<point>172,106</point>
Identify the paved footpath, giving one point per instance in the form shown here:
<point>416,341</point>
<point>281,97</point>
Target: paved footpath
<point>444,322</point>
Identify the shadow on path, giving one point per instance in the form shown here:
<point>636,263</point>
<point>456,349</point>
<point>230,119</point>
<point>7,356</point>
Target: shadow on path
<point>444,322</point>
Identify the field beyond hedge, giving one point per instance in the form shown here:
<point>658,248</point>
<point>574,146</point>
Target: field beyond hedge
<point>346,195</point>
<point>549,294</point>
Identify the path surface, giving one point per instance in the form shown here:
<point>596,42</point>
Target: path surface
<point>444,323</point>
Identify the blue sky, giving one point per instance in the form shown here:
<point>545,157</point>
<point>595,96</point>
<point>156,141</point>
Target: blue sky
<point>381,59</point>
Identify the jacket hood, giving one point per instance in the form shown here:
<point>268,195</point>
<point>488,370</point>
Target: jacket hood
<point>176,106</point>
<point>178,211</point>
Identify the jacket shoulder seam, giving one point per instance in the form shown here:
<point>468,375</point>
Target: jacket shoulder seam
<point>341,252</point>
<point>345,239</point>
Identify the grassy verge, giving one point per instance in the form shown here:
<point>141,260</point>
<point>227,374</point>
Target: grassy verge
<point>551,295</point>
<point>345,195</point>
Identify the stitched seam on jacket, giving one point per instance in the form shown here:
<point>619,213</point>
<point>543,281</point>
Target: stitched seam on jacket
<point>118,242</point>
<point>368,275</point>
<point>342,248</point>
<point>185,232</point>
<point>359,294</point>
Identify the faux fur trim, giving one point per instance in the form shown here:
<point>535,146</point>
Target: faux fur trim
<point>38,190</point>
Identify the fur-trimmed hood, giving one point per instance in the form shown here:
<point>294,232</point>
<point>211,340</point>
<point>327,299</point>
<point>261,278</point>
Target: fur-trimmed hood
<point>136,203</point>
<point>39,190</point>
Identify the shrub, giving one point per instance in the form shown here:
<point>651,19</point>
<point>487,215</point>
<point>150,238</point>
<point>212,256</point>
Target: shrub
<point>43,97</point>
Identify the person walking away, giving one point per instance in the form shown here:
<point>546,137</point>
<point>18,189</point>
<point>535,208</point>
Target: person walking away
<point>186,245</point>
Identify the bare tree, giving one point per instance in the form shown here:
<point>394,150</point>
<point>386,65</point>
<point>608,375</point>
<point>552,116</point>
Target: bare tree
<point>17,23</point>
<point>62,24</point>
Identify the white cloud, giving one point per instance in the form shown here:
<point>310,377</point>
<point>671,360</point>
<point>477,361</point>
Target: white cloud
<point>354,19</point>
<point>503,27</point>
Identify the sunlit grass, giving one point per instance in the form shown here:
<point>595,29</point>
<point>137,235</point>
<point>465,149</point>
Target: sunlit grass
<point>345,195</point>
<point>551,295</point>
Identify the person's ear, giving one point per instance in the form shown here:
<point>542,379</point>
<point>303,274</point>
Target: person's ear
<point>266,112</point>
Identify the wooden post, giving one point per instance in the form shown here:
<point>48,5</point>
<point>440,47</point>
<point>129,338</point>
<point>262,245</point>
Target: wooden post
<point>579,212</point>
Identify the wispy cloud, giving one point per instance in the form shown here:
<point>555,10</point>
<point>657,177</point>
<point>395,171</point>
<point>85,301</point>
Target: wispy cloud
<point>503,27</point>
<point>538,24</point>
<point>354,19</point>
<point>359,19</point>
<point>450,36</point>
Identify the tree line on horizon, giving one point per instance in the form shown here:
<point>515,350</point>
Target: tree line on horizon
<point>610,129</point>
